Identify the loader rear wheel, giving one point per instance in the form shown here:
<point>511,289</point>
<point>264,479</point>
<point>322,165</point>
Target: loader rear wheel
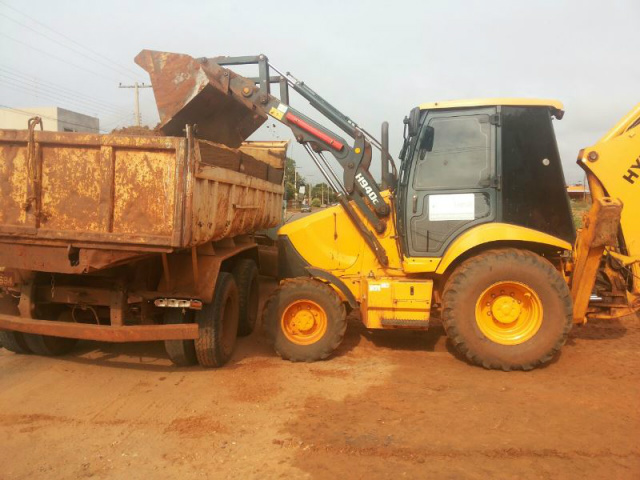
<point>218,324</point>
<point>12,341</point>
<point>245,273</point>
<point>305,320</point>
<point>181,352</point>
<point>51,346</point>
<point>507,309</point>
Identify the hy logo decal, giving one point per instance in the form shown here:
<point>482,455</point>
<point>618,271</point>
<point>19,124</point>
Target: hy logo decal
<point>631,174</point>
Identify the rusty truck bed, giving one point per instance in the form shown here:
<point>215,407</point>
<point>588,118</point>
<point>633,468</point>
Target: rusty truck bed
<point>110,198</point>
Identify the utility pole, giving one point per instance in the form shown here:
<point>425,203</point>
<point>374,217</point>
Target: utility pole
<point>136,86</point>
<point>309,189</point>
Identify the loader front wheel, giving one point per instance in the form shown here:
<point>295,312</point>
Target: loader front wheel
<point>218,324</point>
<point>305,320</point>
<point>507,309</point>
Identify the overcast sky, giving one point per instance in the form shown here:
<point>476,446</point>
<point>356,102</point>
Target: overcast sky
<point>374,60</point>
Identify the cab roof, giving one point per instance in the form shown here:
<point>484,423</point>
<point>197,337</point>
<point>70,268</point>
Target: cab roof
<point>490,102</point>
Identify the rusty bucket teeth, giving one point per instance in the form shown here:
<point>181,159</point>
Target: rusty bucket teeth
<point>190,91</point>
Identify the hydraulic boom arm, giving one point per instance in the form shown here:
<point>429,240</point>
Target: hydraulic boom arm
<point>186,88</point>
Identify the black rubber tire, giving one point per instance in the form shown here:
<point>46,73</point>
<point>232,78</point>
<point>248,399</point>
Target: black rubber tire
<point>181,352</point>
<point>51,346</point>
<point>218,324</point>
<point>245,273</point>
<point>299,289</point>
<point>12,341</point>
<point>474,275</point>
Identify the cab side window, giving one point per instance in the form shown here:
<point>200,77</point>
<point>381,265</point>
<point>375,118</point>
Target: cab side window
<point>460,156</point>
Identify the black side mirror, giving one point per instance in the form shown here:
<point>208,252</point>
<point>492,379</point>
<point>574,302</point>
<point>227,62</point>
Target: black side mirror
<point>413,122</point>
<point>426,142</point>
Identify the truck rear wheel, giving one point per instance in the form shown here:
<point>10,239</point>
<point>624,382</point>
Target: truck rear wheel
<point>507,309</point>
<point>305,320</point>
<point>218,324</point>
<point>12,341</point>
<point>245,273</point>
<point>181,352</point>
<point>51,346</point>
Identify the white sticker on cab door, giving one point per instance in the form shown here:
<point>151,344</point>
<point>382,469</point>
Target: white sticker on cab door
<point>458,206</point>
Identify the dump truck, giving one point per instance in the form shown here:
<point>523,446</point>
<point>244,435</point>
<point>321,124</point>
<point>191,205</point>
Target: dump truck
<point>473,228</point>
<point>125,238</point>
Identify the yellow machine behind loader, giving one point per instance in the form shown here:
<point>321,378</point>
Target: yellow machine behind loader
<point>474,227</point>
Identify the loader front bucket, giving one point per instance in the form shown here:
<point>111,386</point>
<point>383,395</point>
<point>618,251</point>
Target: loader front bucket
<point>190,91</point>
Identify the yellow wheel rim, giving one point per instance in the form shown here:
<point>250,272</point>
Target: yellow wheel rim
<point>509,313</point>
<point>304,322</point>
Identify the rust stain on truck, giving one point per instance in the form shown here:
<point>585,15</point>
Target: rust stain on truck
<point>102,236</point>
<point>189,92</point>
<point>135,193</point>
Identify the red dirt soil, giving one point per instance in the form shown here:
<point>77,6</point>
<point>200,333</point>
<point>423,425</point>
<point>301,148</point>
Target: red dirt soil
<point>389,404</point>
<point>137,131</point>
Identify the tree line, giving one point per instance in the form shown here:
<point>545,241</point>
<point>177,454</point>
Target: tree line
<point>318,190</point>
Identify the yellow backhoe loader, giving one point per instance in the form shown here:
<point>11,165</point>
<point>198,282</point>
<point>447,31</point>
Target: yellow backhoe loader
<point>481,235</point>
<point>474,227</point>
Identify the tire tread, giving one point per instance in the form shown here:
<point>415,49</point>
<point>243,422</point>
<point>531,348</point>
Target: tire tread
<point>208,345</point>
<point>181,352</point>
<point>244,272</point>
<point>454,293</point>
<point>271,319</point>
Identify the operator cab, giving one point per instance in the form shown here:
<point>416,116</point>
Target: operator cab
<point>466,163</point>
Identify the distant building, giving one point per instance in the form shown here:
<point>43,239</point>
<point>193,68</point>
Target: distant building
<point>578,192</point>
<point>54,119</point>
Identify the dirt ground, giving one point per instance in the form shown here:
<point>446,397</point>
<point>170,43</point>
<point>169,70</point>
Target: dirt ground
<point>389,404</point>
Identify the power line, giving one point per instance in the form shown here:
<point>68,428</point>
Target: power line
<point>37,84</point>
<point>34,79</point>
<point>47,92</point>
<point>19,89</point>
<point>53,97</point>
<point>69,39</point>
<point>67,94</point>
<point>63,103</point>
<point>53,56</point>
<point>111,125</point>
<point>65,46</point>
<point>44,116</point>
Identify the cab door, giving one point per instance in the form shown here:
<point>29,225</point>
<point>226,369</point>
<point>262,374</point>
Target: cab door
<point>452,180</point>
